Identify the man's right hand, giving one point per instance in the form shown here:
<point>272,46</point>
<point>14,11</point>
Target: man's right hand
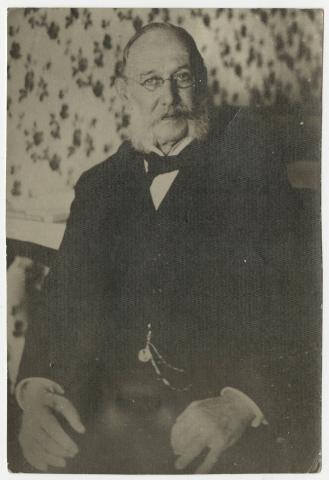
<point>42,439</point>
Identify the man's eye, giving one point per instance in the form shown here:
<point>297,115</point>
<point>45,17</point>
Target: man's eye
<point>183,76</point>
<point>152,82</point>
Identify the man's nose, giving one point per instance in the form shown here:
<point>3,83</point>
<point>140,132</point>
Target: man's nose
<point>169,92</point>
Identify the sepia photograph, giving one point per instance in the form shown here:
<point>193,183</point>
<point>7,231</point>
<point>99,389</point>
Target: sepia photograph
<point>163,231</point>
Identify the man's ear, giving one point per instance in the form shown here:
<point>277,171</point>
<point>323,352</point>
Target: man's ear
<point>121,88</point>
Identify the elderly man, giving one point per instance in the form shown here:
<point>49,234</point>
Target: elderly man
<point>169,339</point>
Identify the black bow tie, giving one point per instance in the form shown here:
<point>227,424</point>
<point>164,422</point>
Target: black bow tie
<point>158,164</point>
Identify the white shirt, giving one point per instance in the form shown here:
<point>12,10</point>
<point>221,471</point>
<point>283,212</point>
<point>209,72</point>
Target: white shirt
<point>162,183</point>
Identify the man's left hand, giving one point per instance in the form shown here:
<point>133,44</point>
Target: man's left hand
<point>215,423</point>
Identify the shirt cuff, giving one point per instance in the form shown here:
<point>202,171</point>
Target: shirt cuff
<point>259,416</point>
<point>49,385</point>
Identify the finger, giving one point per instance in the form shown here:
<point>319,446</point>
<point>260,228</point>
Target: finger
<point>35,462</point>
<point>55,431</point>
<point>212,457</point>
<point>34,456</point>
<point>180,434</point>
<point>44,432</point>
<point>53,387</point>
<point>186,420</point>
<point>55,461</point>
<point>40,453</point>
<point>186,443</point>
<point>53,447</point>
<point>184,460</point>
<point>64,406</point>
<point>47,443</point>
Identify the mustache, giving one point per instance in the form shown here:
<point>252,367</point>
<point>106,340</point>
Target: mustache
<point>142,129</point>
<point>179,111</point>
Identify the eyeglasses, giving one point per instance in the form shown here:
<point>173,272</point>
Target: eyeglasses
<point>181,80</point>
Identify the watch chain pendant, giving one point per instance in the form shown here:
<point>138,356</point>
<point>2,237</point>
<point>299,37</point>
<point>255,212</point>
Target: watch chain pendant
<point>144,355</point>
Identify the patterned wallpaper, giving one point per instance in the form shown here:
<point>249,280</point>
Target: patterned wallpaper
<point>63,111</point>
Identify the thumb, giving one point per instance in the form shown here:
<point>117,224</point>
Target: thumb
<point>30,391</point>
<point>53,387</point>
<point>63,406</point>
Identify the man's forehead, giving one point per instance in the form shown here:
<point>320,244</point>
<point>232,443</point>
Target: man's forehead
<point>155,49</point>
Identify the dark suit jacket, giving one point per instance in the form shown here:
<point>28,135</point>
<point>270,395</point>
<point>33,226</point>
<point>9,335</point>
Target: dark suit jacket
<point>221,273</point>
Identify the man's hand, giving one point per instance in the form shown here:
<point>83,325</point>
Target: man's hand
<point>43,441</point>
<point>214,423</point>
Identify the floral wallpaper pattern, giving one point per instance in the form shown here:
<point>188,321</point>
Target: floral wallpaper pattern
<point>63,111</point>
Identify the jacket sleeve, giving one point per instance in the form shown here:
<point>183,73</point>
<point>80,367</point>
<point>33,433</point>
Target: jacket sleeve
<point>279,368</point>
<point>57,329</point>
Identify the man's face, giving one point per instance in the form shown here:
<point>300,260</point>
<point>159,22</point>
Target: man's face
<point>160,54</point>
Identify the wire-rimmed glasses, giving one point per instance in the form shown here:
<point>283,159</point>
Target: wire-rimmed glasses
<point>180,79</point>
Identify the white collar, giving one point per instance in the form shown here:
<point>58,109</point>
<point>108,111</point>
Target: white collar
<point>176,149</point>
